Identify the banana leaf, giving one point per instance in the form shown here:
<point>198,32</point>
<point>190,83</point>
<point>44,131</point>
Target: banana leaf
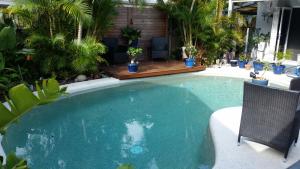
<point>6,116</point>
<point>22,100</point>
<point>14,162</point>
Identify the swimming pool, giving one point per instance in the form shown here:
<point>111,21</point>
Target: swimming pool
<point>159,123</point>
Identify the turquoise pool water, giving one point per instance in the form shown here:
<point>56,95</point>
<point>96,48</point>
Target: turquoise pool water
<point>161,123</point>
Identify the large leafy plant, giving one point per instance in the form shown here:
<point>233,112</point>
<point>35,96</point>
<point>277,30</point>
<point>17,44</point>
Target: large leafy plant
<point>103,13</point>
<point>201,23</point>
<point>87,55</point>
<point>13,162</point>
<point>50,55</point>
<point>21,99</point>
<point>281,56</point>
<point>134,52</point>
<point>130,34</point>
<point>8,76</point>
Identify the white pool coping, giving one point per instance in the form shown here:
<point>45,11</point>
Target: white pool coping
<point>224,127</point>
<point>224,71</point>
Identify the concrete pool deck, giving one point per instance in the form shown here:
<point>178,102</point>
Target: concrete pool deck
<point>224,127</point>
<point>242,157</point>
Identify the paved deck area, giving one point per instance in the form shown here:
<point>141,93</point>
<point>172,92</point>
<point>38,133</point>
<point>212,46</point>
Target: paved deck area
<point>224,126</point>
<point>151,69</point>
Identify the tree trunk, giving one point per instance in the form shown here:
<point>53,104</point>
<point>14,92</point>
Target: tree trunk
<point>50,27</point>
<point>79,35</point>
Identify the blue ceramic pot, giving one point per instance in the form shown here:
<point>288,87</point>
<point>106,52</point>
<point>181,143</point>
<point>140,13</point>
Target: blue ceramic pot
<point>133,67</point>
<point>134,43</point>
<point>278,69</point>
<point>258,66</point>
<point>260,82</point>
<point>297,71</point>
<point>242,63</point>
<point>190,62</point>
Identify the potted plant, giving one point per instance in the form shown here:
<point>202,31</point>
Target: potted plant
<point>261,80</point>
<point>131,35</point>
<point>133,53</point>
<point>191,52</point>
<point>243,60</point>
<point>258,65</point>
<point>278,68</point>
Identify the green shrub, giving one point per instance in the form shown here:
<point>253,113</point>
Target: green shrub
<point>87,55</point>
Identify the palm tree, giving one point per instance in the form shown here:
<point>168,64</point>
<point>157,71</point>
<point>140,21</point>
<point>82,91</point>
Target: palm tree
<point>52,13</point>
<point>80,11</point>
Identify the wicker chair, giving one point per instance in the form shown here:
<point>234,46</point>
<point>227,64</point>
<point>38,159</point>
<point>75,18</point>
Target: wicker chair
<point>159,48</point>
<point>295,85</point>
<point>268,116</point>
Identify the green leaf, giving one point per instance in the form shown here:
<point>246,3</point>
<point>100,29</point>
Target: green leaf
<point>126,166</point>
<point>13,162</point>
<point>2,62</point>
<point>7,38</point>
<point>22,98</point>
<point>6,116</point>
<point>50,92</point>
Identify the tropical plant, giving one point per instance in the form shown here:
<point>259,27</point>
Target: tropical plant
<point>52,17</point>
<point>244,57</point>
<point>49,55</point>
<point>21,99</point>
<point>191,51</point>
<point>8,77</point>
<point>134,53</point>
<point>13,162</point>
<point>130,34</point>
<point>281,56</point>
<point>267,67</point>
<point>126,166</point>
<point>103,13</point>
<point>202,24</point>
<point>87,55</point>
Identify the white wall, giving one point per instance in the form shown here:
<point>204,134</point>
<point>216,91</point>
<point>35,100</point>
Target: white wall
<point>263,22</point>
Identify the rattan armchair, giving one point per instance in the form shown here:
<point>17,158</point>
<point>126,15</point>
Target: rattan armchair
<point>268,116</point>
<point>295,85</point>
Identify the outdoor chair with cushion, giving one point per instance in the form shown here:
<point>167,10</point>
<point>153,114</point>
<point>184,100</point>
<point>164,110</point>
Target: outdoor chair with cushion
<point>159,48</point>
<point>268,116</point>
<point>116,54</point>
<point>295,84</point>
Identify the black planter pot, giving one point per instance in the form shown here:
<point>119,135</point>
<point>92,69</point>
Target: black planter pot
<point>233,63</point>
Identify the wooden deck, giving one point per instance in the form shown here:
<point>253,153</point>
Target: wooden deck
<point>151,69</point>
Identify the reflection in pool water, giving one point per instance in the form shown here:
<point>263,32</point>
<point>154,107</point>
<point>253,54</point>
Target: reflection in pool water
<point>158,124</point>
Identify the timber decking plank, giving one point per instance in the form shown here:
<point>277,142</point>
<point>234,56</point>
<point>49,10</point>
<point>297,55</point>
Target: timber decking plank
<point>151,69</point>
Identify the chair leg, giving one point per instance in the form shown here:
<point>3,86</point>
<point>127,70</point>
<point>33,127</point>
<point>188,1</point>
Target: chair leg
<point>286,155</point>
<point>239,140</point>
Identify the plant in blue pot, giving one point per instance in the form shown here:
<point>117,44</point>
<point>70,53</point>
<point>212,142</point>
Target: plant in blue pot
<point>278,67</point>
<point>261,80</point>
<point>258,65</point>
<point>131,35</point>
<point>243,60</point>
<point>191,52</point>
<point>133,53</point>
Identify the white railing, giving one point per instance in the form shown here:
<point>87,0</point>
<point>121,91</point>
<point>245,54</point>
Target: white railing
<point>5,2</point>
